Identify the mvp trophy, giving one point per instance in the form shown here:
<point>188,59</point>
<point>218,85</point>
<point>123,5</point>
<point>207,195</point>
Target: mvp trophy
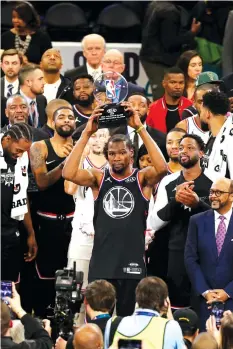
<point>110,89</point>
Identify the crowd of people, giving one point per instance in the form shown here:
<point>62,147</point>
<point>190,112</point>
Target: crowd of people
<point>144,208</point>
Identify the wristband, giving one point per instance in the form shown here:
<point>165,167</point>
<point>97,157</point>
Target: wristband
<point>139,129</point>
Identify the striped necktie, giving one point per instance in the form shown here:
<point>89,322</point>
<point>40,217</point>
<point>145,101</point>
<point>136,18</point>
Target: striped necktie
<point>33,116</point>
<point>9,92</point>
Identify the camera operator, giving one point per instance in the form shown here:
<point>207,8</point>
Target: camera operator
<point>99,300</point>
<point>39,337</point>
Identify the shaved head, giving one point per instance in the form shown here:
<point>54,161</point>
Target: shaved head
<point>88,336</point>
<point>205,341</point>
<point>53,105</point>
<point>221,195</point>
<point>224,183</point>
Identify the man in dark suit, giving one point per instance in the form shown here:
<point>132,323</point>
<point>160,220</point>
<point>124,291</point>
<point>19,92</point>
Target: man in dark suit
<point>93,50</point>
<point>113,60</point>
<point>56,85</point>
<point>11,64</point>
<point>16,111</point>
<point>31,81</point>
<point>209,250</point>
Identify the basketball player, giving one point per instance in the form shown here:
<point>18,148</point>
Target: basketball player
<point>193,124</point>
<point>122,196</point>
<point>55,208</point>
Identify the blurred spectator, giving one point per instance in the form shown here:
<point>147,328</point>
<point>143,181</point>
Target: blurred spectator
<point>15,143</point>
<point>189,323</point>
<point>227,55</point>
<point>83,98</point>
<point>166,112</point>
<point>140,104</point>
<point>213,16</point>
<point>228,83</point>
<point>37,336</point>
<point>181,194</point>
<point>56,85</point>
<point>114,60</point>
<point>4,119</point>
<point>17,110</point>
<point>217,160</point>
<point>164,37</point>
<point>152,315</point>
<point>31,82</point>
<point>209,240</point>
<point>11,63</point>
<point>88,336</point>
<point>26,36</point>
<point>93,46</point>
<point>55,208</point>
<point>205,341</point>
<point>207,78</point>
<point>224,336</point>
<point>191,65</point>
<point>51,107</point>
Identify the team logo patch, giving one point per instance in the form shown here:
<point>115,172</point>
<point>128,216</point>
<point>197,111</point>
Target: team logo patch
<point>118,202</point>
<point>130,180</point>
<point>110,89</point>
<point>17,188</point>
<point>7,178</point>
<point>24,171</point>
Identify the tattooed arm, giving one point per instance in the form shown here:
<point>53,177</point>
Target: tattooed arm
<point>38,156</point>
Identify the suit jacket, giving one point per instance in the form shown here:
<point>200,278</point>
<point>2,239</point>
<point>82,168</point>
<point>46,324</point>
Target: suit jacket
<point>227,54</point>
<point>72,73</point>
<point>65,90</point>
<point>207,270</point>
<point>4,119</point>
<point>41,102</point>
<point>2,86</point>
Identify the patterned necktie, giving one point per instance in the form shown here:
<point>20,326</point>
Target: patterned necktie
<point>9,92</point>
<point>221,233</point>
<point>33,119</point>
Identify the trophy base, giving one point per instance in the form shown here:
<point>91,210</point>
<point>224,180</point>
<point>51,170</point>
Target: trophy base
<point>113,115</point>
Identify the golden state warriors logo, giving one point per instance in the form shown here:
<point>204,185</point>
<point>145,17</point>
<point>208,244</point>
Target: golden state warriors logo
<point>118,202</point>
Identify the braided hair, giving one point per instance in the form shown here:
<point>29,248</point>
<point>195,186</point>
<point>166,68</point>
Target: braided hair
<point>19,131</point>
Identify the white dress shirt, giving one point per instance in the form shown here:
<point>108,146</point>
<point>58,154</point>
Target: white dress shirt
<point>94,72</point>
<point>131,133</point>
<point>217,220</point>
<point>50,90</point>
<point>15,86</point>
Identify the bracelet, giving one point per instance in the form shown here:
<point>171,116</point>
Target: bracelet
<point>139,129</point>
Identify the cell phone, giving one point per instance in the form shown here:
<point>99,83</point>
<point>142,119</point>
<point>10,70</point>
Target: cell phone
<point>6,290</point>
<point>129,344</point>
<point>217,309</point>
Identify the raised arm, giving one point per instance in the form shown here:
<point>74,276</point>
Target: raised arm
<point>72,171</point>
<point>38,155</point>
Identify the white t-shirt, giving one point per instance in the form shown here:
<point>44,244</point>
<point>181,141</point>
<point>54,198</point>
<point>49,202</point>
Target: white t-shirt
<point>50,90</point>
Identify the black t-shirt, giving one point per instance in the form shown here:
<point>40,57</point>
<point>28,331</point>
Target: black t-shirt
<point>173,116</point>
<point>80,118</point>
<point>9,226</point>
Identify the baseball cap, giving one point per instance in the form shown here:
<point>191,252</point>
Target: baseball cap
<point>187,318</point>
<point>208,77</point>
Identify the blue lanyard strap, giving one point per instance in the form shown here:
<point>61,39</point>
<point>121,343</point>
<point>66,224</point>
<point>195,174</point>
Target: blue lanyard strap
<point>102,316</point>
<point>145,313</point>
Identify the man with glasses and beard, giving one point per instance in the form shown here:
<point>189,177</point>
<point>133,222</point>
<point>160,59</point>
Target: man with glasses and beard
<point>83,98</point>
<point>55,207</point>
<point>209,250</point>
<point>181,195</point>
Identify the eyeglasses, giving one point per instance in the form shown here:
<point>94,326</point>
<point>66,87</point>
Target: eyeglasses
<point>110,62</point>
<point>218,193</point>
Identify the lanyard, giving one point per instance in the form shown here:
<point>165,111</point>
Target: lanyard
<point>102,316</point>
<point>145,313</point>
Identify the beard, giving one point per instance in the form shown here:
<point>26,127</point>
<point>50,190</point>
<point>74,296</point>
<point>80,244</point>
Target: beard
<point>63,133</point>
<point>204,126</point>
<point>52,70</point>
<point>143,118</point>
<point>118,170</point>
<point>217,204</point>
<point>188,164</point>
<point>85,102</point>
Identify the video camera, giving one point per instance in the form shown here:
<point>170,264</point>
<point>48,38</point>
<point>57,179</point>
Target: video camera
<point>68,286</point>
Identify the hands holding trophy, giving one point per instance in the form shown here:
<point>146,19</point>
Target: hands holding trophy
<point>110,89</point>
